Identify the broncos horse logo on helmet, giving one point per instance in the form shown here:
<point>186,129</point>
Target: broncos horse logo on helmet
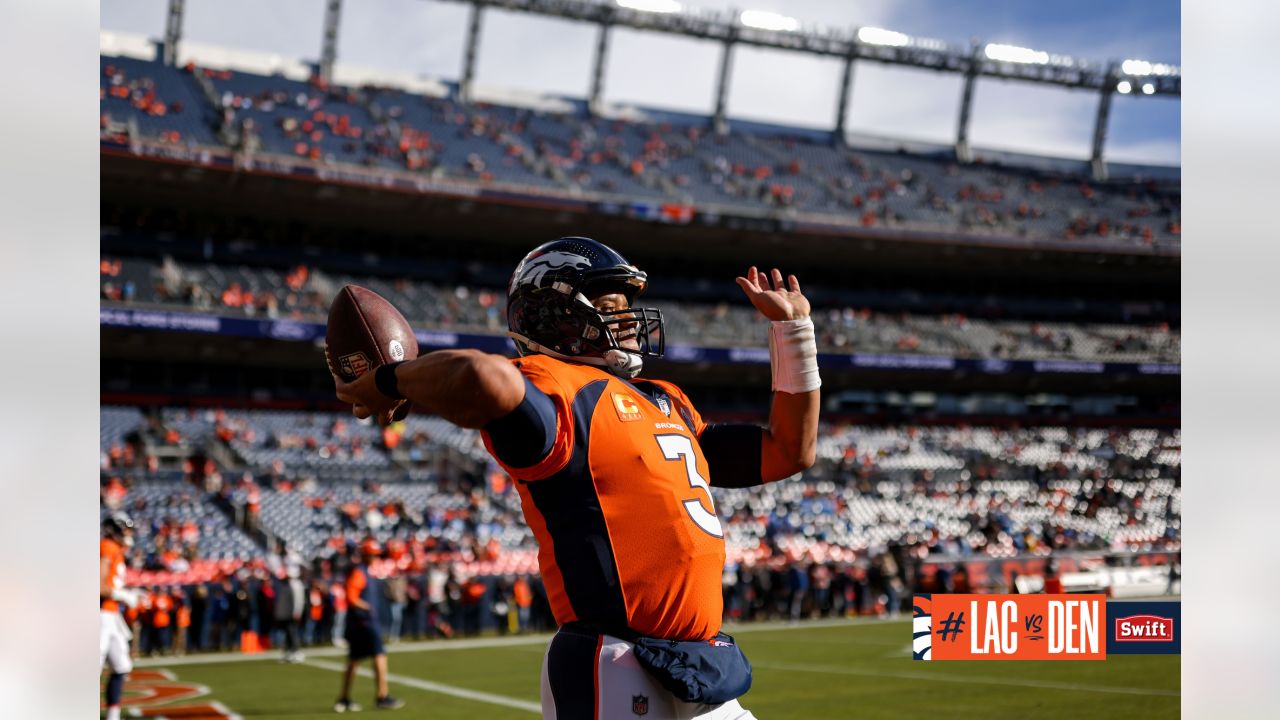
<point>536,266</point>
<point>549,308</point>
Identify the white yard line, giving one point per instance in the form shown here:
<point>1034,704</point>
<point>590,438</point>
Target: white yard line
<point>969,679</point>
<point>436,687</point>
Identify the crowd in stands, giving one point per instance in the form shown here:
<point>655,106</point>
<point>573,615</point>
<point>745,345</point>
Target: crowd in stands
<point>850,536</point>
<point>668,161</point>
<point>302,292</point>
<point>965,490</point>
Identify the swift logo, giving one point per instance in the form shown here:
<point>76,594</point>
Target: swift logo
<point>1144,628</point>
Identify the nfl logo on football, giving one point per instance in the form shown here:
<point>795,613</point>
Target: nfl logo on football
<point>640,704</point>
<point>354,364</point>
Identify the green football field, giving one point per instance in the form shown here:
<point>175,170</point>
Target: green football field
<point>839,669</point>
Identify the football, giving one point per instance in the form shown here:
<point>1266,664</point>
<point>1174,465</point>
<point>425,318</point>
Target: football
<point>365,331</point>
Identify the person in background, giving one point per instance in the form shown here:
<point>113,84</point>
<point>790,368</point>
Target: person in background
<point>396,590</point>
<point>338,598</point>
<point>182,619</point>
<point>364,639</point>
<point>291,598</point>
<point>317,611</point>
<point>523,596</point>
<point>199,603</point>
<point>113,635</point>
<point>220,616</point>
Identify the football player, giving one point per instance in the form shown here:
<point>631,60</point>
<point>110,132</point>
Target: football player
<point>113,635</point>
<point>614,471</point>
<point>363,634</point>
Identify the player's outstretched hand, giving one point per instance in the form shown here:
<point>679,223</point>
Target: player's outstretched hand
<point>366,400</point>
<point>776,302</point>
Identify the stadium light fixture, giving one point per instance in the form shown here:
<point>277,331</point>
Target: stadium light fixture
<point>766,20</point>
<point>880,36</point>
<point>1141,68</point>
<point>1124,87</point>
<point>1015,54</point>
<point>1148,89</point>
<point>1136,67</point>
<point>653,6</point>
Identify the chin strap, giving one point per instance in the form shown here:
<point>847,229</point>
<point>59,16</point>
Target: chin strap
<point>618,362</point>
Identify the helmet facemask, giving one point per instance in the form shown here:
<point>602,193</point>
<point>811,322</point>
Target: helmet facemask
<point>599,335</point>
<point>550,309</point>
<point>644,324</point>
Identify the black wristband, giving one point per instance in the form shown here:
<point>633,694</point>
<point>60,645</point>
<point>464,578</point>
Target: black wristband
<point>385,379</point>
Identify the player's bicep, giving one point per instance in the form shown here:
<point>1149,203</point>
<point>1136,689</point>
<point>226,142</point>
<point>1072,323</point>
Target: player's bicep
<point>733,453</point>
<point>523,437</point>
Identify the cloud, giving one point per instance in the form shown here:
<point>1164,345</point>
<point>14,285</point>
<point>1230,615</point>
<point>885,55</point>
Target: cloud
<point>903,103</point>
<point>1159,152</point>
<point>660,70</point>
<point>1023,117</point>
<point>535,53</point>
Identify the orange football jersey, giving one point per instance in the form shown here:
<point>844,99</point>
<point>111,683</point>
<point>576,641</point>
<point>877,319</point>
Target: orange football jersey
<point>111,551</point>
<point>621,508</point>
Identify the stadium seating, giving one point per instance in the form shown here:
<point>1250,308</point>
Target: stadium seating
<point>965,490</point>
<point>305,293</point>
<point>116,423</point>
<point>162,100</point>
<point>176,517</point>
<point>678,162</point>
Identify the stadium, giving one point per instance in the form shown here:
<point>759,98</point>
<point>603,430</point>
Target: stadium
<point>998,335</point>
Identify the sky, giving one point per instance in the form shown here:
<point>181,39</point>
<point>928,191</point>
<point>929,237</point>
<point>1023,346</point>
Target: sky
<point>649,69</point>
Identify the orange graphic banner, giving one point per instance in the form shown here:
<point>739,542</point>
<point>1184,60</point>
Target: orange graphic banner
<point>1010,627</point>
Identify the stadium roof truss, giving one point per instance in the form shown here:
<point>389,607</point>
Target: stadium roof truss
<point>770,30</point>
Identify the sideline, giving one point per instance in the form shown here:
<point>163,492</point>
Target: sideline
<point>472,643</point>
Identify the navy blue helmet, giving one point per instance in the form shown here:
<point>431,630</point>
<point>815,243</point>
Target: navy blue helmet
<point>118,525</point>
<point>549,308</point>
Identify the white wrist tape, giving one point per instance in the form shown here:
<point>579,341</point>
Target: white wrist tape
<point>793,355</point>
<point>128,597</point>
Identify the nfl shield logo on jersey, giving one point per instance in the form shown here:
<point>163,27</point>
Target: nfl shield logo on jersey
<point>640,704</point>
<point>664,405</point>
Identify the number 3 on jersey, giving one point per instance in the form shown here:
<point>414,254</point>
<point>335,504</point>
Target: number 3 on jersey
<point>677,447</point>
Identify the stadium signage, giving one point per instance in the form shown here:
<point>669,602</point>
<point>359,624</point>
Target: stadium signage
<point>304,331</point>
<point>929,362</point>
<point>1068,366</point>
